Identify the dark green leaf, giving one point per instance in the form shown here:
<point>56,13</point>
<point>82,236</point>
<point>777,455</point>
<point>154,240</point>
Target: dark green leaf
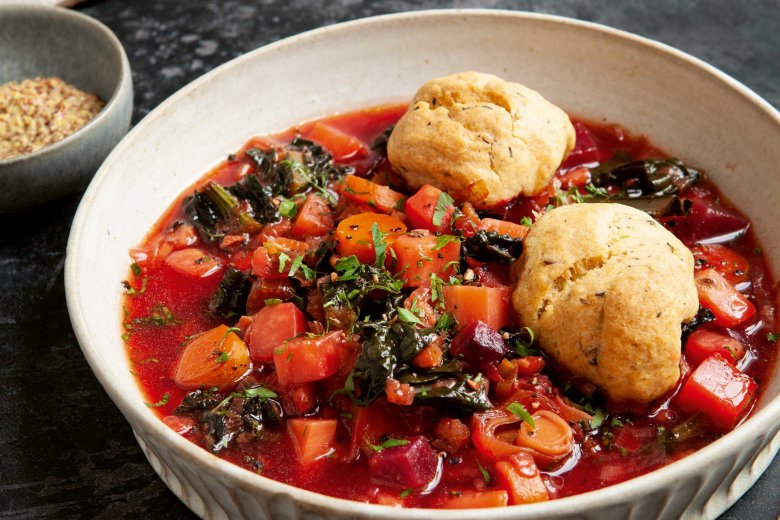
<point>487,246</point>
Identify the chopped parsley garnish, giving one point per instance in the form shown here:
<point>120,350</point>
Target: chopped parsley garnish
<point>162,402</point>
<point>773,336</point>
<point>485,474</point>
<point>272,301</point>
<point>598,418</point>
<point>405,493</point>
<point>443,240</point>
<point>525,221</point>
<point>223,357</point>
<point>380,246</point>
<point>520,411</point>
<point>287,208</point>
<point>445,322</point>
<point>136,269</point>
<point>443,203</point>
<point>389,443</point>
<point>407,316</point>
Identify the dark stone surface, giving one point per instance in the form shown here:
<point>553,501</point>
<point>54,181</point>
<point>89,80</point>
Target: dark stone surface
<point>66,450</point>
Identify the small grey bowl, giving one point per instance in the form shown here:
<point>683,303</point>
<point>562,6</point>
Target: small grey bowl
<point>40,41</point>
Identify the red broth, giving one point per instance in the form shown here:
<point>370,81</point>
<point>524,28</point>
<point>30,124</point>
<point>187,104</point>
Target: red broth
<point>164,309</point>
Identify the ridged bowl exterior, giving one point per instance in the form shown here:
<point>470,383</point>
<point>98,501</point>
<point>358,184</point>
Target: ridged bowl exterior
<point>686,107</point>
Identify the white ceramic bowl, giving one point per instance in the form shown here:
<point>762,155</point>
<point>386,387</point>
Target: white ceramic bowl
<point>685,106</point>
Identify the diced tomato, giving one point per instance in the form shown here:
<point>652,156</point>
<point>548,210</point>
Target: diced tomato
<point>468,223</point>
<point>379,198</point>
<point>355,238</point>
<point>272,326</point>
<point>476,499</point>
<point>719,390</point>
<point>304,359</point>
<point>312,438</point>
<point>193,262</point>
<point>585,150</point>
<point>419,302</point>
<point>703,343</point>
<point>430,356</point>
<point>421,210</point>
<point>218,357</point>
<point>502,227</point>
<point>576,177</point>
<point>728,305</point>
<point>734,267</point>
<point>469,303</point>
<point>368,425</point>
<point>453,433</point>
<point>314,219</point>
<point>420,254</point>
<point>398,393</point>
<point>265,259</point>
<point>520,477</point>
<point>341,145</point>
<point>264,289</point>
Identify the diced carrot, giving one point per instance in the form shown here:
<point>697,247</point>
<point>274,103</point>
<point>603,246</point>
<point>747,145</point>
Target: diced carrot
<point>502,227</point>
<point>193,262</point>
<point>314,219</point>
<point>312,438</point>
<point>354,235</point>
<point>420,254</point>
<point>265,259</point>
<point>218,357</point>
<point>304,359</point>
<point>476,499</point>
<point>520,476</point>
<point>469,303</point>
<point>398,393</point>
<point>375,196</point>
<point>272,326</point>
<point>340,144</point>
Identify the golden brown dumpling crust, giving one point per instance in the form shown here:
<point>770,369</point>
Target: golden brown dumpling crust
<point>606,288</point>
<point>480,138</point>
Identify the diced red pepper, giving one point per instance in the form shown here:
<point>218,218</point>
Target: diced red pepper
<point>718,390</point>
<point>421,210</point>
<point>272,326</point>
<point>728,305</point>
<point>703,343</point>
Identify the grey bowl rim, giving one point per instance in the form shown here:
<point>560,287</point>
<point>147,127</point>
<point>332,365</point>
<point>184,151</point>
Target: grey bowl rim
<point>648,483</point>
<point>112,101</point>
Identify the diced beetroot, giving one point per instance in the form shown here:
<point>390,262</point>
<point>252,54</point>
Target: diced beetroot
<point>707,221</point>
<point>482,347</point>
<point>585,149</point>
<point>411,466</point>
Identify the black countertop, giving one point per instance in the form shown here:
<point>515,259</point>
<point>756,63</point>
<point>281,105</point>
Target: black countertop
<point>66,450</point>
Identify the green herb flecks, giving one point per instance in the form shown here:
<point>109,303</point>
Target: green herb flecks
<point>162,402</point>
<point>520,411</point>
<point>389,443</point>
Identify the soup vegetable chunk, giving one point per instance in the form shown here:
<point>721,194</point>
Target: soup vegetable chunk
<point>350,306</point>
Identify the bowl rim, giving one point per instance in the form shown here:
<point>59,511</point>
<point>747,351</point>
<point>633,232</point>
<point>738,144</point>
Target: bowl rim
<point>664,477</point>
<point>121,84</point>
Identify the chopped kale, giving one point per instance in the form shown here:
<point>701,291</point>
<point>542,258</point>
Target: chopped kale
<point>703,315</point>
<point>215,211</point>
<point>655,206</point>
<point>380,143</point>
<point>386,352</point>
<point>258,197</point>
<point>487,246</point>
<point>229,300</point>
<point>648,177</point>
